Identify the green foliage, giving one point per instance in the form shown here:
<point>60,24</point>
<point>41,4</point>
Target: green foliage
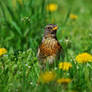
<point>22,25</point>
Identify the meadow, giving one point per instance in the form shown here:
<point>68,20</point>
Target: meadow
<point>22,25</point>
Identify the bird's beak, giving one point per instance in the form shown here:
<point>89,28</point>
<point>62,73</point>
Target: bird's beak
<point>55,28</point>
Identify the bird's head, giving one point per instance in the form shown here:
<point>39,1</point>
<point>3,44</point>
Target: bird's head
<point>50,30</point>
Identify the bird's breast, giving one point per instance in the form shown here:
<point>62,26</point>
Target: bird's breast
<point>49,47</point>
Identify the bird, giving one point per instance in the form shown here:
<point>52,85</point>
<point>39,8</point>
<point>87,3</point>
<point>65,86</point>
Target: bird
<point>49,50</point>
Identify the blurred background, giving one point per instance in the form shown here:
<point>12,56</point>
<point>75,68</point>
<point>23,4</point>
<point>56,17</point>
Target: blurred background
<point>22,23</point>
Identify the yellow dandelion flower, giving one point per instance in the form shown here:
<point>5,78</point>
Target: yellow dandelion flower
<point>2,51</point>
<point>83,58</point>
<point>47,77</point>
<point>73,16</point>
<point>64,80</point>
<point>51,7</point>
<point>65,66</point>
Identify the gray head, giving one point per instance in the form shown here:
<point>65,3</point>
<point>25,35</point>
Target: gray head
<point>50,30</point>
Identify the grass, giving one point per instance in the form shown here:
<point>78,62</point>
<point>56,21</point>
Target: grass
<point>22,25</point>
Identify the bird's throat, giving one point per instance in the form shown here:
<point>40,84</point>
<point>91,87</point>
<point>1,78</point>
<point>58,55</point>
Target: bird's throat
<point>53,36</point>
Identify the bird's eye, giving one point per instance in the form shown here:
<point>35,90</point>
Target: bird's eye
<point>49,27</point>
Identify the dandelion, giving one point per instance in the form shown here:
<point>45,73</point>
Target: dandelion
<point>51,7</point>
<point>73,16</point>
<point>2,51</point>
<point>83,58</point>
<point>64,80</point>
<point>47,77</point>
<point>65,66</point>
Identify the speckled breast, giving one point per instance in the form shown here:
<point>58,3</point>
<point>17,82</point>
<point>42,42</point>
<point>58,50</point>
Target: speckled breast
<point>49,47</point>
